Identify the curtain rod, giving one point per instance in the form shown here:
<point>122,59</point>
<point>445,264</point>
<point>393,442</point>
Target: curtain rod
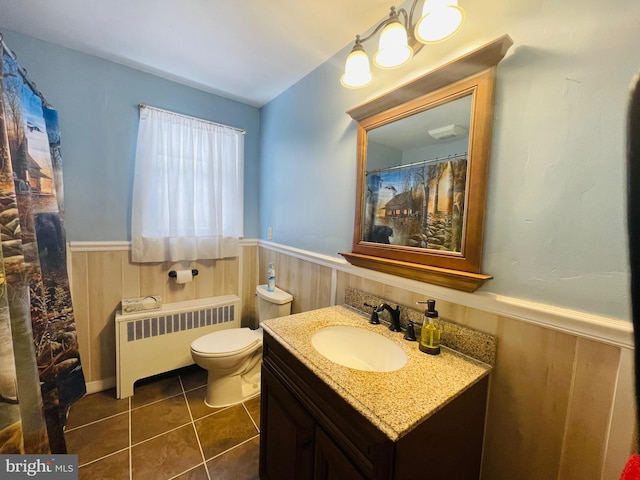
<point>144,105</point>
<point>453,156</point>
<point>23,72</point>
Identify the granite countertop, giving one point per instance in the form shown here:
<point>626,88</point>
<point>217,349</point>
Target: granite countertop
<point>395,402</point>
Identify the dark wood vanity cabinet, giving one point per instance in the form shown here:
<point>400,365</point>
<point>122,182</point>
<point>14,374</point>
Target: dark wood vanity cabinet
<point>330,463</point>
<point>308,431</point>
<point>287,435</point>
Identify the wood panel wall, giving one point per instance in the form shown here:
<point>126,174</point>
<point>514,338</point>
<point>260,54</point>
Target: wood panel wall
<point>308,282</point>
<point>100,279</point>
<point>561,406</point>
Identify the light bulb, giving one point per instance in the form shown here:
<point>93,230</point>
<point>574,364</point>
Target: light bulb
<point>440,19</point>
<point>357,72</point>
<point>393,48</point>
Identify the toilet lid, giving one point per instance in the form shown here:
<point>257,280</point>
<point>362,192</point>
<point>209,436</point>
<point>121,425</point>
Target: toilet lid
<point>225,341</point>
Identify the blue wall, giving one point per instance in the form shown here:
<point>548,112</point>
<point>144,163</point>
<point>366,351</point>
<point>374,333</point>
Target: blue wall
<point>381,156</point>
<point>98,105</point>
<point>307,165</point>
<point>556,218</point>
<point>555,230</point>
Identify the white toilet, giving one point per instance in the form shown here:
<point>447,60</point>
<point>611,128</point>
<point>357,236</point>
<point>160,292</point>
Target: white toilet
<point>233,357</point>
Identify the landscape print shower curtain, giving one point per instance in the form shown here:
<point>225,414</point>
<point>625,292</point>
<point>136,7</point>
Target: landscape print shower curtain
<point>40,370</point>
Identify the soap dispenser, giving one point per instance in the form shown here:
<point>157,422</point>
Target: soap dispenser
<point>430,335</point>
<point>271,277</point>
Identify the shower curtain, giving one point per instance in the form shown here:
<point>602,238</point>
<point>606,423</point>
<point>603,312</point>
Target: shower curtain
<point>40,370</point>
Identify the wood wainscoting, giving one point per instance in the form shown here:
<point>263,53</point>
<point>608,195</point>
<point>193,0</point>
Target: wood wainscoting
<point>561,398</point>
<point>102,274</point>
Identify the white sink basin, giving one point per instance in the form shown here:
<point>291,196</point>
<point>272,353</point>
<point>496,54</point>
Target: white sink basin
<point>358,348</point>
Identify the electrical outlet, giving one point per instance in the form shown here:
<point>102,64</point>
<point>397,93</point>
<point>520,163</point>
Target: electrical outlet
<point>269,233</point>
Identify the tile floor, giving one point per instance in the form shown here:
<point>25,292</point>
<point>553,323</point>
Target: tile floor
<point>165,431</point>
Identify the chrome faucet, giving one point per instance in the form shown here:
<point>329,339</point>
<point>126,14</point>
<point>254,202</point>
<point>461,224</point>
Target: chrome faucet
<point>395,315</point>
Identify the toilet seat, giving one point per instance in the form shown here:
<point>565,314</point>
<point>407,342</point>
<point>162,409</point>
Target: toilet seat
<point>223,343</point>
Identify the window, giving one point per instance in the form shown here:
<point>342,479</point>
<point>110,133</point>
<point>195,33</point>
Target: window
<point>188,189</point>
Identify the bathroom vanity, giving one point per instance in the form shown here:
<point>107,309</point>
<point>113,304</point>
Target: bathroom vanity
<point>321,420</point>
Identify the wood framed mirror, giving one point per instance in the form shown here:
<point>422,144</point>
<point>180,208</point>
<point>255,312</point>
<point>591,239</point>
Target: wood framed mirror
<point>423,159</point>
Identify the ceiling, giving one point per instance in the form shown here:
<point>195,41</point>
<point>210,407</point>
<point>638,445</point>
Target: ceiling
<point>246,50</point>
<point>411,132</point>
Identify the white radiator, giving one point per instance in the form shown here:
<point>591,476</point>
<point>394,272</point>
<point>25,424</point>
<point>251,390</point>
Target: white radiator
<point>157,341</point>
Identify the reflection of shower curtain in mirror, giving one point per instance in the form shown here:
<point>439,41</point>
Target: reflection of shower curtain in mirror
<point>40,370</point>
<point>417,205</point>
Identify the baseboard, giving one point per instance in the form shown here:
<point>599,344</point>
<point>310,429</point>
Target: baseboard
<point>101,385</point>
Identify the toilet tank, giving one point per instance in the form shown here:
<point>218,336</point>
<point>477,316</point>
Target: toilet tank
<point>273,304</point>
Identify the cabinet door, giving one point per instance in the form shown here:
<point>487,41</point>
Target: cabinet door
<point>286,433</point>
<point>330,462</point>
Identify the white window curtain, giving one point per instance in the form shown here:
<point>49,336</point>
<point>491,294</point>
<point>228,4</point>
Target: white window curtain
<point>188,189</point>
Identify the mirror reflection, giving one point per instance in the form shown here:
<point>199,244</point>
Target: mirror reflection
<point>416,179</point>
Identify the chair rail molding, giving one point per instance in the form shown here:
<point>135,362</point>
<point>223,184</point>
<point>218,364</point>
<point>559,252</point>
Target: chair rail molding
<point>592,326</point>
<point>588,325</point>
<point>119,245</point>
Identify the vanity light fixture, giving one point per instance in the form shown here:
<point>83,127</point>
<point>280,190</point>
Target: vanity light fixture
<point>401,38</point>
<point>393,46</point>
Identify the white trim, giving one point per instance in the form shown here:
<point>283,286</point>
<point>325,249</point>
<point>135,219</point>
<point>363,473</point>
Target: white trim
<point>596,327</point>
<point>110,246</point>
<point>113,245</point>
<point>318,258</point>
<point>248,242</point>
<point>101,385</point>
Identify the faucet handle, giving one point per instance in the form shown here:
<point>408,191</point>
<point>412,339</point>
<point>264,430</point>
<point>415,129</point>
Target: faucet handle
<point>410,333</point>
<point>374,320</point>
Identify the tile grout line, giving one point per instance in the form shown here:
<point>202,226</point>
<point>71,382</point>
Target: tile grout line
<point>129,421</point>
<point>160,434</point>
<point>101,458</point>
<point>235,446</point>
<point>183,393</point>
<point>195,431</point>
<point>66,430</point>
<point>250,417</point>
<point>162,399</point>
<point>108,417</point>
<point>178,475</point>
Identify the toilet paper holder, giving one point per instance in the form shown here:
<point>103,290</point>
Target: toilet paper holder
<point>173,273</point>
